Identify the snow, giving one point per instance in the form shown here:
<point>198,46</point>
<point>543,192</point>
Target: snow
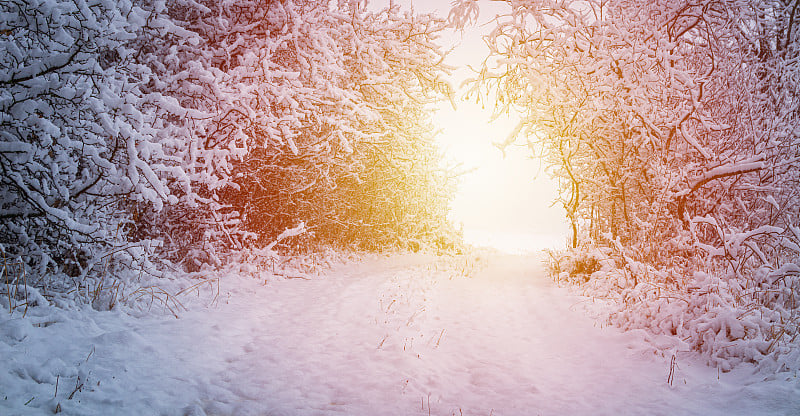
<point>513,242</point>
<point>398,335</point>
<point>289,232</point>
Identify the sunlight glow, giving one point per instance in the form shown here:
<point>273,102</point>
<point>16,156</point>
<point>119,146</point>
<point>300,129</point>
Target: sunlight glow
<point>505,199</point>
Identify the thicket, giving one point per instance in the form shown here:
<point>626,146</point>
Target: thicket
<point>178,132</point>
<point>673,128</point>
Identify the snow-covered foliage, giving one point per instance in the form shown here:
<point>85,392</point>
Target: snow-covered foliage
<point>188,129</point>
<point>313,113</point>
<point>673,130</point>
<point>77,140</point>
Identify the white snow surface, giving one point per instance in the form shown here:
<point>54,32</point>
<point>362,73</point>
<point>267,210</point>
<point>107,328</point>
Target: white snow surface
<point>397,335</point>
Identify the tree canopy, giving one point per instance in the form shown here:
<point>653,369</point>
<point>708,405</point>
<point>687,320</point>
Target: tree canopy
<point>187,129</point>
<point>672,128</point>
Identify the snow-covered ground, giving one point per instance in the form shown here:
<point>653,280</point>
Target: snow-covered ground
<point>389,336</point>
<point>514,242</point>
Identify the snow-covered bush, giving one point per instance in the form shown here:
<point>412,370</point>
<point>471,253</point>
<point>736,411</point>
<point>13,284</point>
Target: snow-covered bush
<point>343,140</point>
<point>77,142</point>
<point>673,130</point>
<point>331,104</point>
<point>574,264</point>
<point>186,130</point>
<point>297,111</point>
<point>729,320</point>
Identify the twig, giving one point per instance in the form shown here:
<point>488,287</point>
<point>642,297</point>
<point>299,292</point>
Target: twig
<point>25,285</point>
<point>671,376</point>
<point>292,277</point>
<point>78,387</point>
<point>90,354</point>
<point>8,282</point>
<point>429,404</point>
<point>440,338</point>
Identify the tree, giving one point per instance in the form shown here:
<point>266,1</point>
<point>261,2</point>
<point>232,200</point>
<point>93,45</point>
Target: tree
<point>198,128</point>
<point>76,135</point>
<point>323,98</point>
<point>673,130</point>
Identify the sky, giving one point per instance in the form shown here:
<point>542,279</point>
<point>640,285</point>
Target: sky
<point>504,201</point>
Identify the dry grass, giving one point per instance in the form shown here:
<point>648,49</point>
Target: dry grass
<point>15,278</point>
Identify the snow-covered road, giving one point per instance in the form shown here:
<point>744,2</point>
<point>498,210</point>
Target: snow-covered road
<point>390,336</point>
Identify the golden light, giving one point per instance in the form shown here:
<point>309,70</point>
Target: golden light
<point>505,199</point>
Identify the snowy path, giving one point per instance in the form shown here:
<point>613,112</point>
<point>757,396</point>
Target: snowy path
<point>388,337</point>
